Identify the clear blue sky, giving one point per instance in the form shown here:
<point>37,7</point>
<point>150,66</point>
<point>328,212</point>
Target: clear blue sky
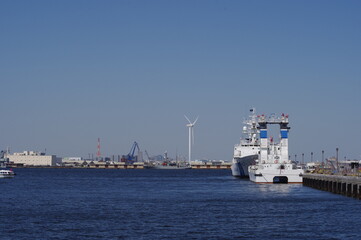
<point>73,71</point>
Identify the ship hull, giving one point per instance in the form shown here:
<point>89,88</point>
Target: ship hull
<point>240,166</point>
<point>275,176</point>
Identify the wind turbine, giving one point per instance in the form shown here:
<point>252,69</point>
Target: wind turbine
<point>191,137</point>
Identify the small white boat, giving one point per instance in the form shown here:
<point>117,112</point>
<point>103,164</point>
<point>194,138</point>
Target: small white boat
<point>6,173</point>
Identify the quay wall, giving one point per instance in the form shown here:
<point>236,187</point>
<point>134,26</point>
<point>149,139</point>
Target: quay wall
<point>117,166</point>
<point>349,186</point>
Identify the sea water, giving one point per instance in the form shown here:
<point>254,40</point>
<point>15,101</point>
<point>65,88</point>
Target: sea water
<point>167,204</point>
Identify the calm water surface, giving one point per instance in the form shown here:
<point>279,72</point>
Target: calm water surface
<point>167,204</point>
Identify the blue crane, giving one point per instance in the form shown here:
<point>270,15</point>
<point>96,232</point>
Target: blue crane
<point>130,158</point>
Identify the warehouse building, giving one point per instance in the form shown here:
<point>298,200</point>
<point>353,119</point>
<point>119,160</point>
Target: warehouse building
<point>31,158</point>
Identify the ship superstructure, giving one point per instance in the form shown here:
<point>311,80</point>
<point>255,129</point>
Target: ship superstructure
<point>246,152</point>
<point>273,164</point>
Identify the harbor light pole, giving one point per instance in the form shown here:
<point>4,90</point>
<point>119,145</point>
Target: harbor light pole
<point>337,160</point>
<point>323,152</point>
<point>311,156</point>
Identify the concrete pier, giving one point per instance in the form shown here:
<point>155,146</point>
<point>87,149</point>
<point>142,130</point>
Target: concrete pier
<point>349,186</point>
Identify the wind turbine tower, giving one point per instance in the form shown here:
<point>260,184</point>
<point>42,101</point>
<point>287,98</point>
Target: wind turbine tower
<point>191,137</point>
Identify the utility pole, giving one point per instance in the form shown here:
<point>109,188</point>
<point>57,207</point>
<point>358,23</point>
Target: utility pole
<point>98,147</point>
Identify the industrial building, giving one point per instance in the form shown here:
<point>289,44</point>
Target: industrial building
<point>32,158</point>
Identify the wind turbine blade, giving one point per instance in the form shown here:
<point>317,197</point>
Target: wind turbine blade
<point>195,120</point>
<point>188,119</point>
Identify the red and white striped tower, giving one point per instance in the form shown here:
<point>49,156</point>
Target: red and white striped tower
<point>98,153</point>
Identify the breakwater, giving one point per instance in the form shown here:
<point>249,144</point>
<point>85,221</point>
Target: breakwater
<point>349,186</point>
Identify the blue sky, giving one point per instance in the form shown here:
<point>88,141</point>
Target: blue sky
<point>124,71</point>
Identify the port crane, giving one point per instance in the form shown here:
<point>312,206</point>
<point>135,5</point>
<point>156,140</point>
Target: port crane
<point>130,158</point>
<point>146,153</point>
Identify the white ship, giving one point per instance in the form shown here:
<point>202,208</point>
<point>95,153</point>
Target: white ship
<point>246,152</point>
<point>6,173</point>
<point>273,164</point>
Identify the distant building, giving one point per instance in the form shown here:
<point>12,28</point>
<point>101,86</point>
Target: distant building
<point>72,161</point>
<point>31,158</point>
